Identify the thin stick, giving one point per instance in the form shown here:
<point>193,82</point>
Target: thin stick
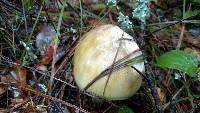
<point>10,6</point>
<point>174,97</point>
<point>25,22</point>
<point>52,70</point>
<point>148,70</point>
<point>181,37</point>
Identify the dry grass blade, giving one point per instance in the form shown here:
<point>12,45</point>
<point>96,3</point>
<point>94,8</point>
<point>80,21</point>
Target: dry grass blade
<point>117,65</point>
<point>112,66</point>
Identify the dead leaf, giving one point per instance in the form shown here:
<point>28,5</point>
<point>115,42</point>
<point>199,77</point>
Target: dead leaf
<point>191,40</point>
<point>20,74</point>
<point>48,56</point>
<point>161,95</point>
<point>2,90</point>
<point>42,67</point>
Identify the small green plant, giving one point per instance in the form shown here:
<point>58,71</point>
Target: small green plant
<point>141,10</point>
<point>28,3</point>
<point>124,21</point>
<point>125,109</point>
<point>179,60</point>
<point>112,2</point>
<point>29,56</point>
<point>193,13</point>
<point>196,1</point>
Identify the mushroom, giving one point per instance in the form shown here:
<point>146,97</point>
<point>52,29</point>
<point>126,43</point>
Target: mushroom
<point>98,50</point>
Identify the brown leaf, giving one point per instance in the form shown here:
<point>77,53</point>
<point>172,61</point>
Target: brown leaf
<point>161,95</point>
<point>2,90</point>
<point>191,40</point>
<point>48,56</point>
<point>20,74</point>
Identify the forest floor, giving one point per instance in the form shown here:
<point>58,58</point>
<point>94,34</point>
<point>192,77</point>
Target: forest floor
<point>38,39</point>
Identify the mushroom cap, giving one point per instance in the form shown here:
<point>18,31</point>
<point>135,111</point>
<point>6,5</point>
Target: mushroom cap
<point>96,51</point>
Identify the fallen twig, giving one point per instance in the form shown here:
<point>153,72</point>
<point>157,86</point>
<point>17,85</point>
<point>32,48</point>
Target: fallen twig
<point>148,70</point>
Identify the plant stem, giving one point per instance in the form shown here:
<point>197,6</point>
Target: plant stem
<point>148,70</point>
